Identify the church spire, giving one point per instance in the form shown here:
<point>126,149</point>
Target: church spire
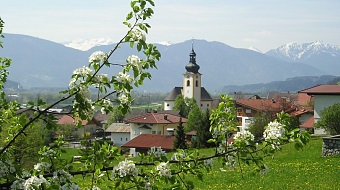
<point>192,66</point>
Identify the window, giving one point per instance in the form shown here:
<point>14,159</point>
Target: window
<point>126,139</point>
<point>248,110</point>
<point>121,139</point>
<point>168,105</point>
<point>197,83</point>
<point>207,105</point>
<point>201,105</point>
<point>159,132</point>
<point>153,132</point>
<point>239,110</point>
<point>188,82</point>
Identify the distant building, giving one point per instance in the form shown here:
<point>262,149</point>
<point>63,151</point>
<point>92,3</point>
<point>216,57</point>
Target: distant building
<point>192,87</point>
<point>324,96</point>
<point>119,133</point>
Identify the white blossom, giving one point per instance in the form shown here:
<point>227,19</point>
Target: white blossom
<point>124,78</point>
<point>97,56</point>
<point>137,35</point>
<point>209,162</point>
<point>125,168</point>
<point>123,99</point>
<point>177,156</point>
<point>35,181</point>
<point>83,71</point>
<point>49,153</point>
<point>274,131</point>
<point>135,61</point>
<point>70,186</point>
<point>18,184</point>
<point>230,162</point>
<point>61,177</point>
<point>157,152</point>
<point>42,166</point>
<point>164,169</point>
<point>245,136</point>
<point>6,167</point>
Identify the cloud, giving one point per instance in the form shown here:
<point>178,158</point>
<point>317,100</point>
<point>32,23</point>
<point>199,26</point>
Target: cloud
<point>264,33</point>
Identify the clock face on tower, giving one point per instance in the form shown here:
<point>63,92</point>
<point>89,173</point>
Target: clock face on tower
<point>188,76</point>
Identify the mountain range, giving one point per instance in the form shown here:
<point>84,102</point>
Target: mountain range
<point>42,63</point>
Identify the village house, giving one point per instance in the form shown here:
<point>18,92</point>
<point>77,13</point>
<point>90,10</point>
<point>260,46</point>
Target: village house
<point>324,96</point>
<point>247,109</point>
<point>87,126</point>
<point>119,133</point>
<point>153,123</point>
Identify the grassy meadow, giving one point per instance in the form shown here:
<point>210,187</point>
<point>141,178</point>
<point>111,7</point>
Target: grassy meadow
<point>289,169</point>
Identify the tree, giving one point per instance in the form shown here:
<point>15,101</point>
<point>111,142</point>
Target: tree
<point>257,126</point>
<point>194,119</point>
<point>115,116</point>
<point>203,133</point>
<point>155,170</point>
<point>330,119</point>
<point>179,142</point>
<point>184,105</point>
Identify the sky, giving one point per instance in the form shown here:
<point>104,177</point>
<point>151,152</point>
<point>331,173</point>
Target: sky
<point>263,24</point>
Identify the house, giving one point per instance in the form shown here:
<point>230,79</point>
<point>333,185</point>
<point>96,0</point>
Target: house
<point>87,126</point>
<point>142,143</point>
<point>304,113</point>
<point>192,87</point>
<point>247,109</point>
<point>153,123</point>
<point>324,96</point>
<point>119,133</point>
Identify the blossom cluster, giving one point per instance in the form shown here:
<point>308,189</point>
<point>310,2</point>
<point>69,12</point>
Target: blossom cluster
<point>243,136</point>
<point>97,56</point>
<point>123,99</point>
<point>163,169</point>
<point>61,177</point>
<point>178,156</point>
<point>125,168</point>
<point>50,153</point>
<point>124,78</point>
<point>33,182</point>
<point>157,152</point>
<point>230,162</point>
<point>209,162</point>
<point>42,166</point>
<point>135,61</point>
<point>137,35</point>
<point>274,131</point>
<point>6,167</point>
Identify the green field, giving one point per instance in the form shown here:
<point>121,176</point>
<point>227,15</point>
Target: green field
<point>289,169</point>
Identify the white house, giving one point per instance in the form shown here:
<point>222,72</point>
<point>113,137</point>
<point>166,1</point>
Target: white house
<point>119,133</point>
<point>324,96</point>
<point>192,87</point>
<point>153,123</point>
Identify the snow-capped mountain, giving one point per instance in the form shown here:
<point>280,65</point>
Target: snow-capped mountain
<point>322,56</point>
<point>255,49</point>
<point>294,52</point>
<point>85,45</point>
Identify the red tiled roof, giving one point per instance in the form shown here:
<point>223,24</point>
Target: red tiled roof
<point>156,118</point>
<point>308,124</point>
<point>322,89</point>
<point>302,110</point>
<point>66,119</point>
<point>304,98</point>
<point>259,104</point>
<point>150,140</point>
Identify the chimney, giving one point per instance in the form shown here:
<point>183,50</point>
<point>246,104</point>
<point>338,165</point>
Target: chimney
<point>273,100</point>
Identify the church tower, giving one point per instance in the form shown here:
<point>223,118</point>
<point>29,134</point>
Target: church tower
<point>192,87</point>
<point>192,79</point>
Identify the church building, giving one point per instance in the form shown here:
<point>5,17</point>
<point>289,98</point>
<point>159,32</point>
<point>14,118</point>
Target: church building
<point>192,88</point>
